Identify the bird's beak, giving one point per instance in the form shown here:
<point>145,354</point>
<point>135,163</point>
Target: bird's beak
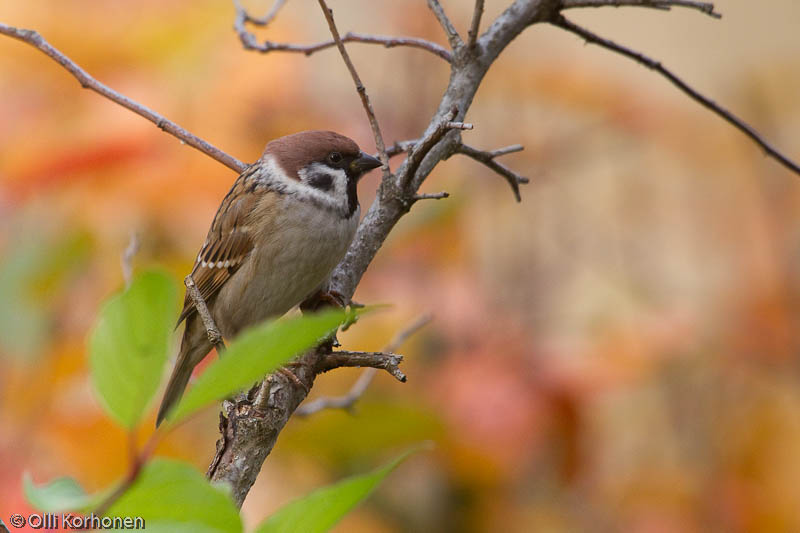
<point>363,163</point>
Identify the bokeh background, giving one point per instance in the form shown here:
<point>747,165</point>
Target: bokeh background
<point>619,352</point>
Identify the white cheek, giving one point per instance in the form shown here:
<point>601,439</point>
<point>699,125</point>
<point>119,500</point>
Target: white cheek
<point>339,184</point>
<point>338,191</point>
<point>336,198</point>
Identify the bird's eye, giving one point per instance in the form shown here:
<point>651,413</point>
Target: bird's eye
<point>335,157</point>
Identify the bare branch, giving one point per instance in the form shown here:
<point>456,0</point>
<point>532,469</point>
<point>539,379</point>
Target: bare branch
<point>253,423</point>
<point>506,150</point>
<point>475,25</point>
<point>452,35</point>
<point>465,78</point>
<point>642,59</point>
<point>87,82</point>
<point>250,42</point>
<point>360,386</point>
<point>482,156</point>
<point>346,401</point>
<point>705,7</point>
<point>381,360</point>
<point>391,42</point>
<point>418,152</point>
<point>403,335</point>
<point>401,147</point>
<point>214,336</point>
<point>126,259</point>
<point>258,21</point>
<point>487,158</point>
<point>362,92</point>
<point>431,196</point>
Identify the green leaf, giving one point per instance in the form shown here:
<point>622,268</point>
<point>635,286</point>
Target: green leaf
<point>173,496</point>
<point>255,353</point>
<point>61,494</point>
<point>128,345</point>
<point>320,510</point>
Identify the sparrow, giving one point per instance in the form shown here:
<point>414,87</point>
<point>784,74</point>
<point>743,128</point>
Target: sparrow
<point>277,235</point>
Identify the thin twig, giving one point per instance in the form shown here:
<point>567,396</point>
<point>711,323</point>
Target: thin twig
<point>126,259</point>
<point>432,196</point>
<point>258,21</point>
<point>506,150</point>
<point>387,361</point>
<point>404,334</point>
<point>452,35</point>
<point>420,149</point>
<point>401,147</point>
<point>705,7</point>
<point>475,25</point>
<point>345,401</point>
<point>642,59</point>
<point>362,92</point>
<point>214,335</point>
<point>487,158</point>
<point>87,82</point>
<point>391,42</point>
<point>249,42</point>
<point>357,390</point>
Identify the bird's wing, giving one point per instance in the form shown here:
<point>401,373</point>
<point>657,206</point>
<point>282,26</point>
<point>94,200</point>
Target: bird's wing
<point>228,243</point>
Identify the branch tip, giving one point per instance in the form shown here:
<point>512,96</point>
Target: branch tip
<point>663,5</point>
<point>450,31</point>
<point>474,26</point>
<point>214,335</point>
<point>592,38</point>
<point>488,158</point>
<point>362,92</point>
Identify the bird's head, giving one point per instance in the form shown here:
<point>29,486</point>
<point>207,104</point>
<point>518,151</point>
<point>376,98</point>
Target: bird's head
<point>323,161</point>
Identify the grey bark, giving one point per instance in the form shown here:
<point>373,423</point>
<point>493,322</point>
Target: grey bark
<point>252,423</point>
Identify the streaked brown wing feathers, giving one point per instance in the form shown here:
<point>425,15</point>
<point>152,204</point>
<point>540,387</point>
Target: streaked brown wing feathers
<point>228,242</point>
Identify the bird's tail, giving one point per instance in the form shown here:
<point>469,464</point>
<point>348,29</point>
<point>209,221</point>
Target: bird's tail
<point>191,353</point>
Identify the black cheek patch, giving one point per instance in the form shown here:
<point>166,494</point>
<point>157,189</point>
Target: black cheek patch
<point>321,181</point>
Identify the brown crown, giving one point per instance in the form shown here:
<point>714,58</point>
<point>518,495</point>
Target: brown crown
<point>293,152</point>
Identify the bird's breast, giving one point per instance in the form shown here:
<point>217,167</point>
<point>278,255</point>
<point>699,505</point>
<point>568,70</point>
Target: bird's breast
<point>297,247</point>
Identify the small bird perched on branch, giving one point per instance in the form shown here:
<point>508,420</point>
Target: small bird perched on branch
<point>285,224</point>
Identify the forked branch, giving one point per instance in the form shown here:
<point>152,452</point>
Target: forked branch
<point>250,42</point>
<point>475,25</point>
<point>347,401</point>
<point>488,159</point>
<point>452,35</point>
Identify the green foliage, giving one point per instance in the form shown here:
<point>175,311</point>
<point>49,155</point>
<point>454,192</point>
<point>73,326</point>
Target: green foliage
<point>322,509</point>
<point>31,274</point>
<point>254,354</point>
<point>128,346</point>
<point>61,494</point>
<point>173,496</point>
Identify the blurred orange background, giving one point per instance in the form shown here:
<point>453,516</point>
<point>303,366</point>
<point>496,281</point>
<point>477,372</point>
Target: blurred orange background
<point>619,352</point>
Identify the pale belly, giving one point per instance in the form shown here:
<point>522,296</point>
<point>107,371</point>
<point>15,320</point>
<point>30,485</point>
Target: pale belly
<point>293,262</point>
